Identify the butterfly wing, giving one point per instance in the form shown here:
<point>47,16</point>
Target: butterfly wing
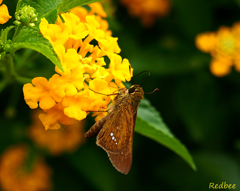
<point>116,138</point>
<point>95,129</point>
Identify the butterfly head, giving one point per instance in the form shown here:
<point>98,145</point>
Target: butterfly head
<point>136,92</point>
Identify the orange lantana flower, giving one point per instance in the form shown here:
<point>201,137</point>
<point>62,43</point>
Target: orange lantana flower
<point>67,139</point>
<point>15,177</point>
<point>224,47</point>
<point>148,11</point>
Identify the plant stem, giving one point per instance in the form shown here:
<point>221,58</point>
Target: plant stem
<point>18,29</point>
<point>12,74</point>
<point>23,80</point>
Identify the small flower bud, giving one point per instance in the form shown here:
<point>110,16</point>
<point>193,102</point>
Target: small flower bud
<point>17,22</point>
<point>31,24</point>
<point>26,15</point>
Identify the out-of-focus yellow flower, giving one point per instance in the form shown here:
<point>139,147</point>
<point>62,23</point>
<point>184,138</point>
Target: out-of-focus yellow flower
<point>82,42</point>
<point>206,41</point>
<point>224,47</point>
<point>52,117</point>
<point>148,11</point>
<point>67,139</point>
<point>15,177</point>
<point>96,8</point>
<point>4,14</point>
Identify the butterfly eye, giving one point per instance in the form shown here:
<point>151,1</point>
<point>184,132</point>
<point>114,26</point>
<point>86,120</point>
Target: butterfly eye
<point>131,90</point>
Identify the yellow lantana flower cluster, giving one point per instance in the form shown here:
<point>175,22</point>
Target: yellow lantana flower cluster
<point>4,14</point>
<point>148,11</point>
<point>15,177</point>
<point>224,47</point>
<point>66,139</point>
<point>83,43</point>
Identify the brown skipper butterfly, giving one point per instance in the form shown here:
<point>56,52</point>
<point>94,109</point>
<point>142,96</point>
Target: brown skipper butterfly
<point>115,131</point>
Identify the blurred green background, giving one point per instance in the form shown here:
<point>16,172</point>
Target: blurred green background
<point>201,110</point>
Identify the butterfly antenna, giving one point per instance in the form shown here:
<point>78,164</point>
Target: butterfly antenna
<point>113,86</point>
<point>152,91</point>
<point>102,93</point>
<point>145,79</point>
<point>141,73</point>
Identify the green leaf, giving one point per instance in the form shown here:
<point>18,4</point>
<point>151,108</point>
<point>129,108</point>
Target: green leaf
<point>69,4</point>
<point>4,33</point>
<point>150,124</point>
<point>32,39</point>
<point>44,8</point>
<point>51,9</point>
